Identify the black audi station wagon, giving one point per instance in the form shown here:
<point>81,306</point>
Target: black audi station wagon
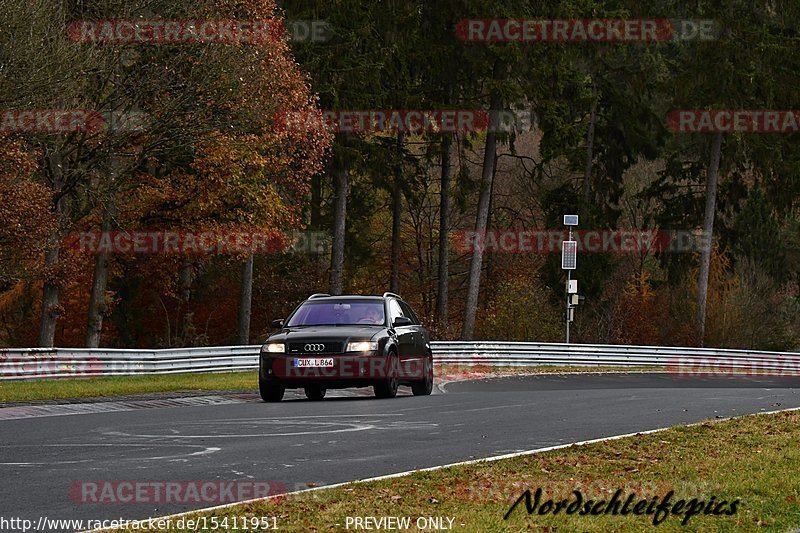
<point>335,342</point>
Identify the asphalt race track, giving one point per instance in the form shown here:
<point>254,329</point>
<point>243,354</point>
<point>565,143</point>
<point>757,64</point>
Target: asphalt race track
<point>298,442</point>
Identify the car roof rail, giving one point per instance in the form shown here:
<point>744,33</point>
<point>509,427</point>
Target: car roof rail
<point>391,294</point>
<point>318,295</point>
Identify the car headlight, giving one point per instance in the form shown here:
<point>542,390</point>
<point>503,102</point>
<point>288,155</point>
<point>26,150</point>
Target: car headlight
<point>274,347</point>
<point>361,346</point>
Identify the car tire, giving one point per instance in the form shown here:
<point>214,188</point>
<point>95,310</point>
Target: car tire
<point>424,386</point>
<point>315,393</point>
<point>270,392</point>
<point>387,388</point>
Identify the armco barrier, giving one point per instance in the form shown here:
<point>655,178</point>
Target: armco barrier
<point>42,363</point>
<point>39,363</point>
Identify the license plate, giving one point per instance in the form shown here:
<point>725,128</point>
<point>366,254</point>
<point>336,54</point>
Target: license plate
<point>313,363</point>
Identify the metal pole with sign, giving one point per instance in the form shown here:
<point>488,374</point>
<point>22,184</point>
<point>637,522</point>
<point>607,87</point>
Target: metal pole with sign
<point>569,262</point>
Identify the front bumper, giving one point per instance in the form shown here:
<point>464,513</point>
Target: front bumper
<point>348,370</point>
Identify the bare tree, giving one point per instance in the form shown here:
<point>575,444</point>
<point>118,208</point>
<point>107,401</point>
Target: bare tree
<point>587,173</point>
<point>339,225</point>
<point>441,314</point>
<point>712,176</point>
<point>481,221</point>
<point>246,300</point>
<point>51,286</point>
<point>97,294</point>
<point>397,216</point>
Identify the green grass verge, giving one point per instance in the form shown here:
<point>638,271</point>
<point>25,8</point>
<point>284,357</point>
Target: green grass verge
<point>55,389</point>
<point>754,459</point>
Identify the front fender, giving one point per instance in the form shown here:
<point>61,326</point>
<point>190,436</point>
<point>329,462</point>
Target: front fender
<point>389,343</point>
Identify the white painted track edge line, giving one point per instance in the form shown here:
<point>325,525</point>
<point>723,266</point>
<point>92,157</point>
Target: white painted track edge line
<point>439,467</point>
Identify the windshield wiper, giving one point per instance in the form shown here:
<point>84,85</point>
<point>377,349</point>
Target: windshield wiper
<point>328,325</point>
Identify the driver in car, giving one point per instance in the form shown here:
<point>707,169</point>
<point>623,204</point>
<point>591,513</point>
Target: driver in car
<point>371,316</point>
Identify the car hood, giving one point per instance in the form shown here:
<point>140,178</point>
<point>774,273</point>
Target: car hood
<point>312,333</point>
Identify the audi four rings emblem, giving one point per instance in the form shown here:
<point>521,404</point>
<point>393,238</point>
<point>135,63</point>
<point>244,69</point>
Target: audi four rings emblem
<point>314,347</point>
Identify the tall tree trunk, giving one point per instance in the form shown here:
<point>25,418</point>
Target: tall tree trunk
<point>421,268</point>
<point>489,161</point>
<point>339,219</point>
<point>316,201</point>
<point>97,297</point>
<point>397,213</point>
<point>50,290</point>
<point>708,234</point>
<point>490,259</point>
<point>587,173</point>
<point>441,313</point>
<point>51,286</point>
<point>246,301</point>
<point>184,321</point>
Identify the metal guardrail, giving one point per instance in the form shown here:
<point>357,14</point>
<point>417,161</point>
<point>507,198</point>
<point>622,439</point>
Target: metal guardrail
<point>525,353</point>
<point>43,363</point>
<point>40,363</point>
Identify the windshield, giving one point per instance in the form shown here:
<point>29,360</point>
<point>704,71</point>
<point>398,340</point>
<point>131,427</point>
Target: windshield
<point>367,313</point>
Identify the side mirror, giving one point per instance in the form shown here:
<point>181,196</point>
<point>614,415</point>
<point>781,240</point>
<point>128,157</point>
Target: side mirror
<point>277,324</point>
<point>401,321</point>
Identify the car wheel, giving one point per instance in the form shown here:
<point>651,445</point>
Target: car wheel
<point>270,392</point>
<point>424,386</point>
<point>315,393</point>
<point>387,388</point>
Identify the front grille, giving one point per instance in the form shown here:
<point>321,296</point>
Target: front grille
<point>328,347</point>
